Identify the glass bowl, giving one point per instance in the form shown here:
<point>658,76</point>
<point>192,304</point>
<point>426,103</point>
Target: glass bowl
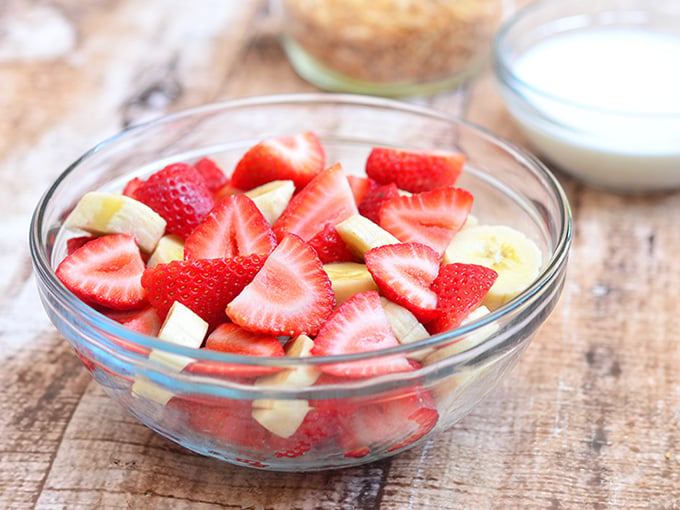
<point>211,414</point>
<point>607,111</point>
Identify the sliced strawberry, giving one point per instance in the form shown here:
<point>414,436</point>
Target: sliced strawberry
<point>206,286</point>
<point>297,157</point>
<point>388,425</point>
<point>330,247</point>
<point>77,242</point>
<point>360,186</point>
<point>318,426</point>
<point>180,195</point>
<point>359,325</point>
<point>375,198</point>
<point>415,171</point>
<point>460,289</point>
<point>146,321</point>
<point>234,227</point>
<point>106,271</point>
<point>404,274</point>
<point>327,199</point>
<point>214,177</point>
<point>430,217</point>
<point>132,186</point>
<point>291,295</point>
<point>233,339</point>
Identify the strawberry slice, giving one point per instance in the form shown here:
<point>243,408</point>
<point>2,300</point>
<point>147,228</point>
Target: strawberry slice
<point>327,199</point>
<point>180,195</point>
<point>291,295</point>
<point>360,186</point>
<point>460,289</point>
<point>234,227</point>
<point>330,247</point>
<point>415,171</point>
<point>146,321</point>
<point>430,217</point>
<point>233,339</point>
<point>106,271</point>
<point>297,157</point>
<point>404,274</point>
<point>77,242</point>
<point>375,198</point>
<point>206,286</point>
<point>389,424</point>
<point>132,186</point>
<point>359,325</point>
<point>318,426</point>
<point>213,175</point>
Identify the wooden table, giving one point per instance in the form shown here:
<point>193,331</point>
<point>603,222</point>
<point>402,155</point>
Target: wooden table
<point>590,418</point>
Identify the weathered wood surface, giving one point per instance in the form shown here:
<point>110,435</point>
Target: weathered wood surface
<point>589,419</point>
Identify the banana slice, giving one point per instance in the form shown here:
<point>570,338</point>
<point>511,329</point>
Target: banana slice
<point>349,278</point>
<point>361,234</point>
<point>170,247</point>
<point>182,327</point>
<point>504,249</point>
<point>111,213</point>
<point>405,327</point>
<point>272,198</point>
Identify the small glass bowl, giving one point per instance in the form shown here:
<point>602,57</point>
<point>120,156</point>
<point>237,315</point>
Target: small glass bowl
<point>388,47</point>
<point>624,150</point>
<point>208,413</point>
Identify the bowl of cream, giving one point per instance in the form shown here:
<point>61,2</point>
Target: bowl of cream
<point>594,86</point>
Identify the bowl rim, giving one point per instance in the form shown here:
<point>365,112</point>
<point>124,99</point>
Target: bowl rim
<point>556,261</point>
<point>504,71</point>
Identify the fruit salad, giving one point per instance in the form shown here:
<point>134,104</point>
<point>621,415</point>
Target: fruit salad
<point>287,254</point>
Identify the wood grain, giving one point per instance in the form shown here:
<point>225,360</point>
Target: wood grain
<point>590,418</point>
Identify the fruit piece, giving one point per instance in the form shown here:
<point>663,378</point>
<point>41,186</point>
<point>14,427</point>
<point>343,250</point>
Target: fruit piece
<point>272,198</point>
<point>213,175</point>
<point>131,187</point>
<point>100,212</point>
<point>330,247</point>
<point>297,157</point>
<point>143,387</point>
<point>327,199</point>
<point>181,327</point>
<point>317,426</point>
<point>388,424</point>
<point>180,195</point>
<point>359,325</point>
<point>415,171</point>
<point>360,186</point>
<point>291,295</point>
<point>280,417</point>
<point>205,286</point>
<point>509,252</point>
<point>298,377</point>
<point>106,271</point>
<point>361,234</point>
<point>77,242</point>
<point>145,321</point>
<point>234,227</point>
<point>460,289</point>
<point>404,273</point>
<point>405,326</point>
<point>169,247</point>
<point>349,278</point>
<point>375,198</point>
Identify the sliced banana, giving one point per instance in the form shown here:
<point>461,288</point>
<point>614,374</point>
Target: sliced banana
<point>361,234</point>
<point>169,247</point>
<point>182,327</point>
<point>349,278</point>
<point>405,326</point>
<point>272,198</point>
<point>515,257</point>
<point>101,212</point>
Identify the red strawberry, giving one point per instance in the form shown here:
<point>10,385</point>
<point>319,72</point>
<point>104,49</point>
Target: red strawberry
<point>375,198</point>
<point>327,199</point>
<point>132,186</point>
<point>388,424</point>
<point>330,247</point>
<point>430,217</point>
<point>214,177</point>
<point>146,321</point>
<point>297,157</point>
<point>206,286</point>
<point>234,227</point>
<point>180,195</point>
<point>415,171</point>
<point>359,325</point>
<point>291,295</point>
<point>360,186</point>
<point>318,426</point>
<point>106,271</point>
<point>233,339</point>
<point>77,242</point>
<point>460,289</point>
<point>404,274</point>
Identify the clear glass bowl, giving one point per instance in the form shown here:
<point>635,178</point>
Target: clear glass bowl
<point>210,414</point>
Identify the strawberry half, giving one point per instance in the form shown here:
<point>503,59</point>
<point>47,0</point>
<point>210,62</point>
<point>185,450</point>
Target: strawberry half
<point>106,271</point>
<point>297,157</point>
<point>360,186</point>
<point>460,289</point>
<point>327,199</point>
<point>415,171</point>
<point>213,175</point>
<point>180,195</point>
<point>206,286</point>
<point>233,339</point>
<point>430,217</point>
<point>234,227</point>
<point>404,274</point>
<point>330,247</point>
<point>375,198</point>
<point>359,325</point>
<point>291,295</point>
